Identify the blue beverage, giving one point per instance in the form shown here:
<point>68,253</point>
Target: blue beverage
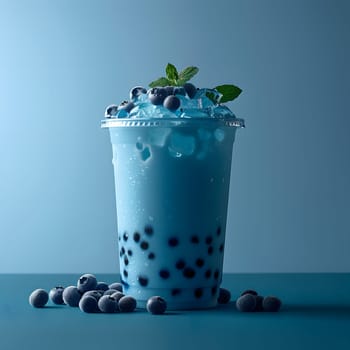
<point>172,177</point>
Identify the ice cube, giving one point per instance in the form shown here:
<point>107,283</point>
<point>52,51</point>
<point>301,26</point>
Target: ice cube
<point>221,111</point>
<point>194,112</point>
<point>158,136</point>
<point>181,144</point>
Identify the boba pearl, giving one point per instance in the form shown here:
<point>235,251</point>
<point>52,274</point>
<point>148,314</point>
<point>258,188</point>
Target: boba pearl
<point>88,304</point>
<point>108,304</point>
<point>55,295</point>
<point>86,282</point>
<point>127,304</point>
<point>224,296</point>
<point>271,304</point>
<point>38,298</point>
<point>156,305</point>
<point>246,303</point>
<point>117,286</point>
<point>71,296</point>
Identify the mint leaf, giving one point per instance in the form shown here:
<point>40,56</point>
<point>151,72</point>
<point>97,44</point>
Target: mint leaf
<point>171,72</point>
<point>229,92</point>
<point>187,74</point>
<point>160,82</point>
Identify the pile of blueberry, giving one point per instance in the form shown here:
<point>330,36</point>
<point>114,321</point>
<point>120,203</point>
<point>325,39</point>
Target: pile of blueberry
<point>251,301</point>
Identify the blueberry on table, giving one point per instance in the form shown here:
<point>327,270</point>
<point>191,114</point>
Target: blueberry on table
<point>38,298</point>
<point>97,294</point>
<point>71,296</point>
<point>246,303</point>
<point>249,291</point>
<point>117,295</point>
<point>224,296</point>
<point>117,286</point>
<point>172,103</point>
<point>86,282</point>
<point>259,303</point>
<point>55,295</point>
<point>136,92</point>
<point>88,304</point>
<point>157,95</point>
<point>190,90</point>
<point>110,291</point>
<point>156,305</point>
<point>108,304</point>
<point>101,286</point>
<point>271,304</point>
<point>127,304</point>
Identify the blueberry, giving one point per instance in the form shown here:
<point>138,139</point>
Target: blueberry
<point>190,90</point>
<point>169,90</point>
<point>71,296</point>
<point>172,102</point>
<point>101,286</point>
<point>55,295</point>
<point>97,294</point>
<point>127,304</point>
<point>271,304</point>
<point>259,303</point>
<point>136,92</point>
<point>88,304</point>
<point>111,111</point>
<point>179,90</point>
<point>108,304</point>
<point>38,298</point>
<point>86,282</point>
<point>156,305</point>
<point>117,286</point>
<point>126,106</point>
<point>110,291</point>
<point>157,95</point>
<point>117,295</point>
<point>224,296</point>
<point>246,303</point>
<point>249,291</point>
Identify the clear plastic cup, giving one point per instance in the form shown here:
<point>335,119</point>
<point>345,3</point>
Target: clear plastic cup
<point>172,181</point>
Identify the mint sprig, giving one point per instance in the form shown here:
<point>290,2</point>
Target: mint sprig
<point>173,77</point>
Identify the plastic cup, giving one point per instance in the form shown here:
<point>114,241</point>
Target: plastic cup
<point>172,181</point>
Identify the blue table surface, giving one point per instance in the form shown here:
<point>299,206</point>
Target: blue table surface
<point>315,315</point>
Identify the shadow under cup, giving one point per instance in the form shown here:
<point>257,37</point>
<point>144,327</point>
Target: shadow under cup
<point>172,181</point>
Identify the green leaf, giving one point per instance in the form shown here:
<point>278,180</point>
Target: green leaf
<point>187,74</point>
<point>229,92</point>
<point>171,72</point>
<point>160,82</point>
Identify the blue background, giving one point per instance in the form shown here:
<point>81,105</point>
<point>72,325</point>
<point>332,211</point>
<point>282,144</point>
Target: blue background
<point>62,62</point>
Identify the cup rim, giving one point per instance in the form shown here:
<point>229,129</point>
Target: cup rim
<point>172,122</point>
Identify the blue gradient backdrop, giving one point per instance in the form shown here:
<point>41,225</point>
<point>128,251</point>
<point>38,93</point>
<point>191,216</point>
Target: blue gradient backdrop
<point>62,62</point>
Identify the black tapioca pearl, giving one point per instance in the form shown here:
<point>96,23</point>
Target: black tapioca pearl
<point>122,251</point>
<point>188,272</point>
<point>151,256</point>
<point>165,274</point>
<point>144,245</point>
<point>173,241</point>
<point>209,240</point>
<point>126,260</point>
<point>198,293</point>
<point>129,252</point>
<point>125,273</point>
<point>214,290</point>
<point>149,230</point>
<point>125,236</point>
<point>200,262</point>
<point>180,264</point>
<point>143,280</point>
<point>216,274</point>
<point>137,237</point>
<point>207,274</point>
<point>210,250</point>
<point>195,239</point>
<point>176,291</point>
<point>221,247</point>
<point>218,231</point>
